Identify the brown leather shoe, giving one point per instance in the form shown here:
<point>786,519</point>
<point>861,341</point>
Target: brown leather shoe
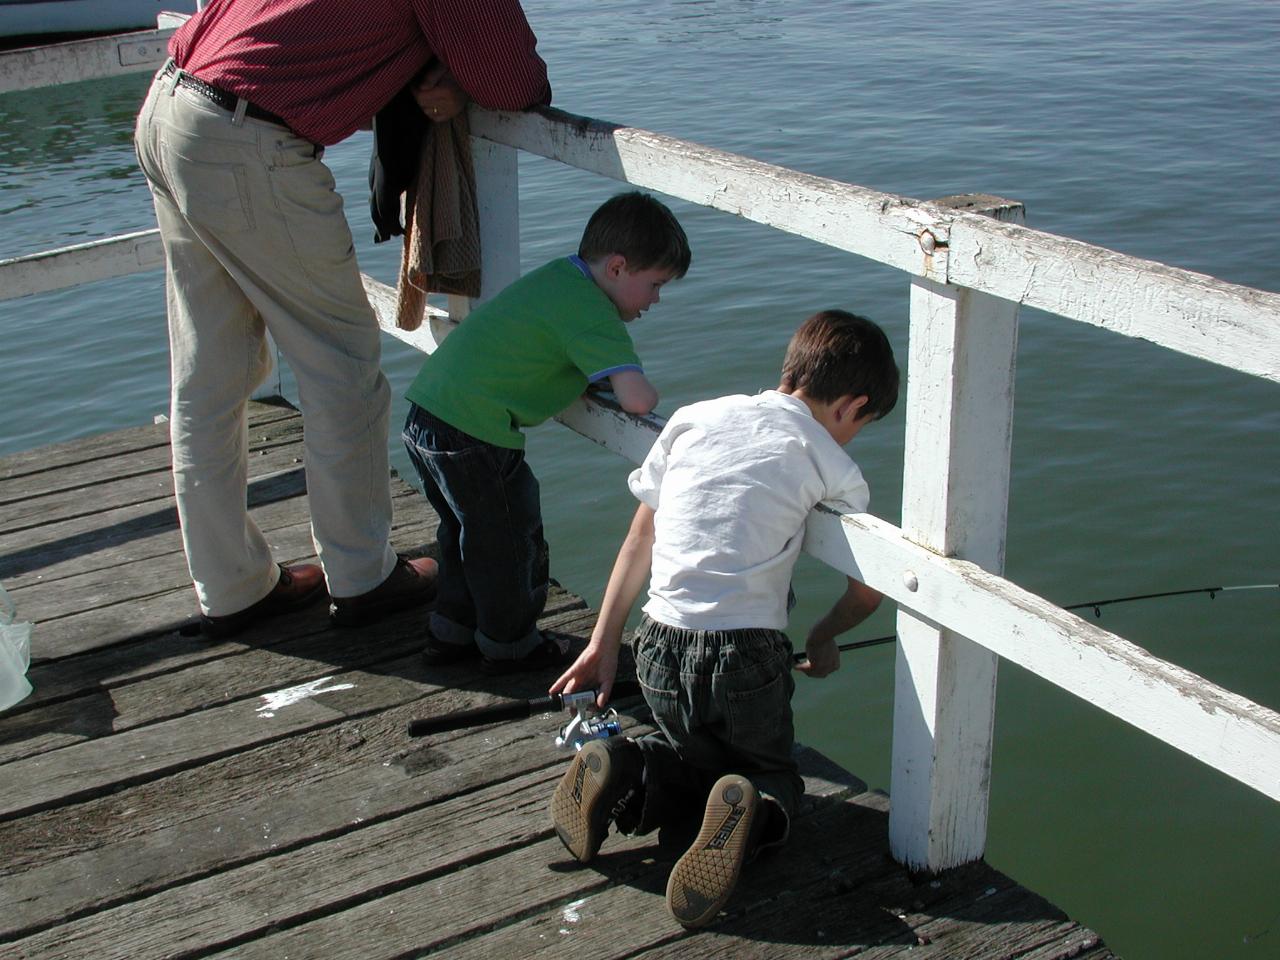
<point>297,586</point>
<point>410,583</point>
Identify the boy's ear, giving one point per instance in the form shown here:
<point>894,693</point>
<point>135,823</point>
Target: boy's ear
<point>614,264</point>
<point>849,407</point>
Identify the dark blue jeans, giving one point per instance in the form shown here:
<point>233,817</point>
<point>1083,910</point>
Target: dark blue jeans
<point>493,558</point>
<point>722,701</point>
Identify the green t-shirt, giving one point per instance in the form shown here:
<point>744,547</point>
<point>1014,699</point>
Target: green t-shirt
<point>525,355</point>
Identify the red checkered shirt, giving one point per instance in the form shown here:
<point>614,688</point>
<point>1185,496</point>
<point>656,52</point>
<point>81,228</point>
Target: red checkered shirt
<point>327,66</point>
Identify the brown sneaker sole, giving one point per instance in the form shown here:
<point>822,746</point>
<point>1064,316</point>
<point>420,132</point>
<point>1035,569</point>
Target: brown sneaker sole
<point>577,808</point>
<point>703,880</point>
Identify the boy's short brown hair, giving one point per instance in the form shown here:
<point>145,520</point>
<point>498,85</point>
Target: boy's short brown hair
<point>639,228</point>
<point>836,354</point>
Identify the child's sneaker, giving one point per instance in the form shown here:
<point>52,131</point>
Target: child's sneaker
<point>600,779</point>
<point>703,879</point>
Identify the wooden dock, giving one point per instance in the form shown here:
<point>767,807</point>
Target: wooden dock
<point>165,796</point>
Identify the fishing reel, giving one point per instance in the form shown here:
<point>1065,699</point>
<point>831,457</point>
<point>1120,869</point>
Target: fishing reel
<point>587,723</point>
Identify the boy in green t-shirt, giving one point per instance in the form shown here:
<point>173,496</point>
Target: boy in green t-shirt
<point>514,362</point>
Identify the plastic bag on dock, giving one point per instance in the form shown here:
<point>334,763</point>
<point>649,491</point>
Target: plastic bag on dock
<point>15,654</point>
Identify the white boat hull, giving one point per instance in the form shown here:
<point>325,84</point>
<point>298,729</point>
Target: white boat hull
<point>20,18</point>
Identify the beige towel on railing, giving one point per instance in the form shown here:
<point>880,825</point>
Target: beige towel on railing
<point>441,226</point>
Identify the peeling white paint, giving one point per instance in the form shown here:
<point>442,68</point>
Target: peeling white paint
<point>271,702</point>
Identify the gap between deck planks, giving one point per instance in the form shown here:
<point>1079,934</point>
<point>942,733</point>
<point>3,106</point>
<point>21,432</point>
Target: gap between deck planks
<point>154,803</point>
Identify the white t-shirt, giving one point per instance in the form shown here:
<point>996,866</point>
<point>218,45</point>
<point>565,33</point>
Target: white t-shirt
<point>731,482</point>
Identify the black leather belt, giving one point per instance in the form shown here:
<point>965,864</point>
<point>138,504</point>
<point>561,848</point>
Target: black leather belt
<point>227,101</point>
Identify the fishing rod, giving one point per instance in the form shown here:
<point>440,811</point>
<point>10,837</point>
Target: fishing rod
<point>1094,605</point>
<point>584,726</point>
<point>589,723</point>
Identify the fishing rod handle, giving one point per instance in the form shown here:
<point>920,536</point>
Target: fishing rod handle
<point>494,713</point>
<point>506,710</point>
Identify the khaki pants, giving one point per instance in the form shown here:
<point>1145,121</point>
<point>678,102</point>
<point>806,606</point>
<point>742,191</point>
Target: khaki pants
<point>255,240</point>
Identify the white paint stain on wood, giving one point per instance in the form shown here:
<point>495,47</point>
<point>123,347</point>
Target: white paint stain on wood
<point>570,915</point>
<point>279,699</point>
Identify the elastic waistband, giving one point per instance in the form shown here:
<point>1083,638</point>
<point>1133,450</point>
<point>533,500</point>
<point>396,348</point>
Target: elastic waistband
<point>684,637</point>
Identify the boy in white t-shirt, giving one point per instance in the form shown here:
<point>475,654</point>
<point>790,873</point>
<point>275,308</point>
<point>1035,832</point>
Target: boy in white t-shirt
<point>724,494</point>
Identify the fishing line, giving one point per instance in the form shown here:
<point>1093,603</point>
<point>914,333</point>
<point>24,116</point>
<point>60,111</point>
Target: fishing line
<point>588,724</point>
<point>1094,605</point>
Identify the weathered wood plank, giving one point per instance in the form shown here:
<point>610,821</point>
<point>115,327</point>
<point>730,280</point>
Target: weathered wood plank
<point>863,905</point>
<point>981,914</point>
<point>174,609</point>
<point>770,915</point>
<point>131,662</point>
<point>85,593</point>
<point>254,671</point>
<point>252,899</point>
<point>362,789</point>
<point>144,567</point>
<point>145,486</point>
<point>88,769</point>
<point>243,670</point>
<point>468,903</point>
<point>120,466</point>
<point>143,532</point>
<point>84,770</point>
<point>452,914</point>
<point>109,537</point>
<point>28,512</point>
<point>611,908</point>
<point>345,760</point>
<point>286,813</point>
<point>53,457</point>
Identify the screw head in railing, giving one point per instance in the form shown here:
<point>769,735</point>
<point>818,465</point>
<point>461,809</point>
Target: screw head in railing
<point>928,242</point>
<point>911,581</point>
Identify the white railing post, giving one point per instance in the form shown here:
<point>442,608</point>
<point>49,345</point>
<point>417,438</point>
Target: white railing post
<point>498,207</point>
<point>960,379</point>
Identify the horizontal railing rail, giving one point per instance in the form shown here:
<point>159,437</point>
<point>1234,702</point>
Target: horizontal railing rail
<point>1195,314</point>
<point>69,266</point>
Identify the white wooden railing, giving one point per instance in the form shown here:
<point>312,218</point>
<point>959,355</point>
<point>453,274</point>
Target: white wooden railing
<point>970,264</point>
